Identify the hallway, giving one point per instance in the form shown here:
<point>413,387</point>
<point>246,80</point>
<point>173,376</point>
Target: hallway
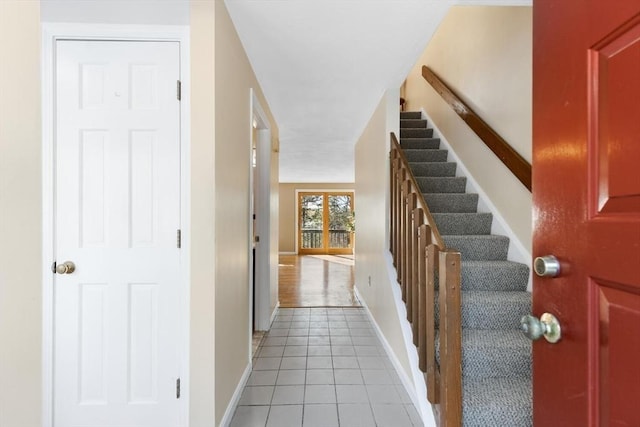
<point>323,367</point>
<point>316,281</point>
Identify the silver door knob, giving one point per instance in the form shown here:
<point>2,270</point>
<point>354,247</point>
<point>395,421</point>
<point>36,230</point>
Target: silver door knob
<point>546,266</point>
<point>547,326</point>
<point>66,267</point>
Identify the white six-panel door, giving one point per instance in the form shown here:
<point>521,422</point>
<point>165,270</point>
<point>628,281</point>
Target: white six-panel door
<point>117,212</point>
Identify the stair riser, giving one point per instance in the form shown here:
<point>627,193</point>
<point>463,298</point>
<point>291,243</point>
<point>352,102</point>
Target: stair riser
<point>486,277</point>
<point>442,185</point>
<point>410,115</point>
<point>497,361</point>
<point>452,202</point>
<point>416,133</point>
<point>420,143</point>
<point>426,155</point>
<point>430,169</point>
<point>471,248</point>
<point>503,313</point>
<point>457,224</point>
<point>497,402</point>
<point>493,363</point>
<point>413,123</point>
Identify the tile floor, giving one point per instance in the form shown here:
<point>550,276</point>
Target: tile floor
<point>323,367</point>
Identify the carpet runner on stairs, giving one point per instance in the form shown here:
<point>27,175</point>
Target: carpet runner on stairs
<point>496,358</point>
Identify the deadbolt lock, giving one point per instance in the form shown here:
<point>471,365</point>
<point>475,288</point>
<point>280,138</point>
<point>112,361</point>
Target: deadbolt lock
<point>546,266</point>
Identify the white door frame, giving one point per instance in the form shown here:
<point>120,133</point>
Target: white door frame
<point>262,187</point>
<point>50,34</point>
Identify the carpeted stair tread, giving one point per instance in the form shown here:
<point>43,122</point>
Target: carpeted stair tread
<point>433,169</point>
<point>415,133</point>
<point>494,275</point>
<point>417,155</point>
<point>451,202</point>
<point>410,115</point>
<point>420,143</point>
<point>413,123</point>
<point>479,247</point>
<point>449,184</point>
<point>490,353</point>
<point>463,223</point>
<point>497,402</point>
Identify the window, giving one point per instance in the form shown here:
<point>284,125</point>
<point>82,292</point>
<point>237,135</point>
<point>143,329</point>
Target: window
<point>325,223</point>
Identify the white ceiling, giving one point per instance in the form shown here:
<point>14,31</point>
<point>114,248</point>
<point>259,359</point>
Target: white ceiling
<point>323,66</point>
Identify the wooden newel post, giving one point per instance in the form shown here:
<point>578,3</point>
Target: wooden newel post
<point>450,340</point>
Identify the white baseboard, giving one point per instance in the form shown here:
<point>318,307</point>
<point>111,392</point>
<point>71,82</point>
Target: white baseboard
<point>416,388</point>
<point>273,314</point>
<point>233,404</point>
<point>287,253</point>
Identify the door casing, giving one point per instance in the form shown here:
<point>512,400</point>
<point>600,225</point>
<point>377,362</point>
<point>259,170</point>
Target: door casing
<point>50,34</point>
<point>261,187</point>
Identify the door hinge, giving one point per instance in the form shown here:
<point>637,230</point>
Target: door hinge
<point>178,388</point>
<point>179,90</point>
<point>179,238</point>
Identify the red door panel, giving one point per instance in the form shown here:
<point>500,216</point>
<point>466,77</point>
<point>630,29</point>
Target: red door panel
<point>586,194</point>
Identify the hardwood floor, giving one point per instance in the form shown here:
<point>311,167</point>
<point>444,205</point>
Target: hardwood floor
<point>316,281</point>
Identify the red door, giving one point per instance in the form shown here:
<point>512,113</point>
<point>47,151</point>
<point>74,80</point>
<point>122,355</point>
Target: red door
<point>586,192</point>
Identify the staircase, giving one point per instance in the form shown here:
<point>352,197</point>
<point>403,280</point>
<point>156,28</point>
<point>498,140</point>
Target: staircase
<point>496,358</point>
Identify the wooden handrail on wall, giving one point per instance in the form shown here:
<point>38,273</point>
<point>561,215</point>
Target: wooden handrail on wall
<point>421,257</point>
<point>501,148</point>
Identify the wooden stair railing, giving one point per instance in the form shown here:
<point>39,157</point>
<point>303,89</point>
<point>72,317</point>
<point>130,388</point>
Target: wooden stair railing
<point>501,148</point>
<point>421,257</point>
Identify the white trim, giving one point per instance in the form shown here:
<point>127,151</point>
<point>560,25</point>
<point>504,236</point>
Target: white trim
<point>48,222</point>
<point>260,193</point>
<point>415,387</point>
<point>287,253</point>
<point>233,403</point>
<point>273,314</point>
<point>517,251</point>
<point>50,34</point>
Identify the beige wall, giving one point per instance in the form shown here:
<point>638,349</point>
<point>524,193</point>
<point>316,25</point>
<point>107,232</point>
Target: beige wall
<point>233,79</point>
<point>20,215</point>
<point>490,65</point>
<point>288,209</point>
<point>202,410</point>
<point>372,186</point>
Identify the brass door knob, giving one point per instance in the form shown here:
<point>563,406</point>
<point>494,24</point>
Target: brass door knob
<point>66,267</point>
